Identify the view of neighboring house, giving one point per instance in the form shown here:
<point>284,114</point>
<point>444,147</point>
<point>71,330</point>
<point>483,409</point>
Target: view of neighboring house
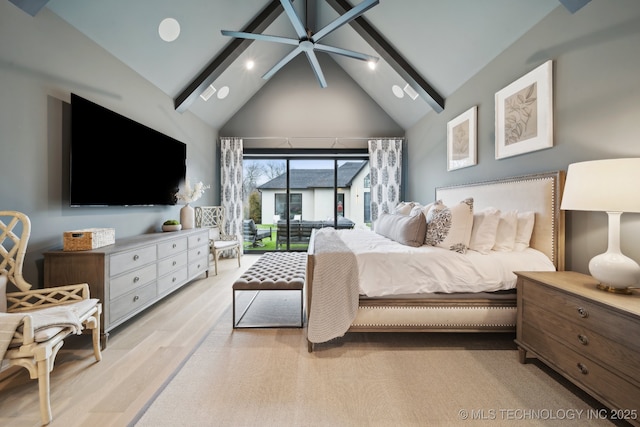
<point>312,192</point>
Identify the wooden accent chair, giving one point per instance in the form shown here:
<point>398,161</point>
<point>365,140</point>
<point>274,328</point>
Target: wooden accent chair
<point>34,323</point>
<point>212,217</point>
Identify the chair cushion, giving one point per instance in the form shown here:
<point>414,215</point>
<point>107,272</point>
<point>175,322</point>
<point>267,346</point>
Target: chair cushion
<point>225,244</point>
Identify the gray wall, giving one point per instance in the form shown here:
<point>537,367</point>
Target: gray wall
<point>596,54</point>
<point>292,104</point>
<point>43,60</point>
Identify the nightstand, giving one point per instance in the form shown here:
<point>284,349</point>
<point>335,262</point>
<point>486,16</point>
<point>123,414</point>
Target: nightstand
<point>590,336</point>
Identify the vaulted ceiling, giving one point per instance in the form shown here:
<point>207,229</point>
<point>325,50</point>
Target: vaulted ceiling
<point>444,42</point>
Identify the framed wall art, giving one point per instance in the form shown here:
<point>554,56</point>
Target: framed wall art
<point>524,113</point>
<point>461,140</point>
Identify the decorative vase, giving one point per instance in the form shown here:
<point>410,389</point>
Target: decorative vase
<point>187,217</point>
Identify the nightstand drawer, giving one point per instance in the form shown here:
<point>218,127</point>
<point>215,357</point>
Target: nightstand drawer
<point>585,313</point>
<point>600,381</point>
<point>594,345</point>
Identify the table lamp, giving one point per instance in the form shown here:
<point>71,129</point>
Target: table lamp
<point>611,186</point>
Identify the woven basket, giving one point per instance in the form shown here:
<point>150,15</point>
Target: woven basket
<point>89,238</point>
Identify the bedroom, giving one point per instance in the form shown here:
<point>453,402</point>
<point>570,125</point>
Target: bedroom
<point>597,101</point>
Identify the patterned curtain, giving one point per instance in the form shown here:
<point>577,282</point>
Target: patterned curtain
<point>231,185</point>
<point>385,164</point>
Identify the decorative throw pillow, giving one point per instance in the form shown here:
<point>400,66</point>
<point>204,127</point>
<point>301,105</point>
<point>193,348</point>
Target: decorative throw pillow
<point>450,227</point>
<point>483,233</point>
<point>506,235</point>
<point>526,221</point>
<point>404,229</point>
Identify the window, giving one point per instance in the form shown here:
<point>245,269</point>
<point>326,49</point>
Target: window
<point>295,205</point>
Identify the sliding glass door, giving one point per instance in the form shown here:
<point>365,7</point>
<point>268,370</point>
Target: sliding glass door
<point>286,198</point>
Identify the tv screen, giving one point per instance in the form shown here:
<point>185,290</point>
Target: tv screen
<point>116,161</point>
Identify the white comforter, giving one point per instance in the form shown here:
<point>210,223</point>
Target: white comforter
<point>390,268</point>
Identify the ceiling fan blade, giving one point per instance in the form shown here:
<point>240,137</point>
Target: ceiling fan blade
<point>352,14</point>
<point>313,60</point>
<point>295,20</point>
<point>261,37</point>
<point>345,52</point>
<point>284,61</point>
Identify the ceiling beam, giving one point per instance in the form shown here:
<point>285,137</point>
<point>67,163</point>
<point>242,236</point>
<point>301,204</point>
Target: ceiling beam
<point>32,7</point>
<point>228,55</point>
<point>391,56</point>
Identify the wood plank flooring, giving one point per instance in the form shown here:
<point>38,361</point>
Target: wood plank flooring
<point>140,357</point>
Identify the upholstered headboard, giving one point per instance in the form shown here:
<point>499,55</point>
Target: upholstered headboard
<point>540,193</point>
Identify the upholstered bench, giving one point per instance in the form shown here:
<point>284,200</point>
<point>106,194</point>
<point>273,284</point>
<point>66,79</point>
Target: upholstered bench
<point>273,271</point>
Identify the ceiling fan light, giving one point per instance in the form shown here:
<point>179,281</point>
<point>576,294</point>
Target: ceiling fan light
<point>397,91</point>
<point>410,91</point>
<point>206,94</point>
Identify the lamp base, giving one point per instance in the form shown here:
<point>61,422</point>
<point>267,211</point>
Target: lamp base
<point>614,290</point>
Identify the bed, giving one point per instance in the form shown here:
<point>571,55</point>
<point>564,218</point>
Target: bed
<point>338,271</point>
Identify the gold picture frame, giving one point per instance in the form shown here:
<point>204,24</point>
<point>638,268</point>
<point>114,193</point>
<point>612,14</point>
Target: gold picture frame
<point>462,140</point>
<point>524,113</point>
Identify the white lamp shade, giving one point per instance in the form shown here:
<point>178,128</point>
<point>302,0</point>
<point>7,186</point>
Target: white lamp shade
<point>603,185</point>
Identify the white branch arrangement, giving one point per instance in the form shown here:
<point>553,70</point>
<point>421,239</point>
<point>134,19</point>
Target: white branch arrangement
<point>189,194</point>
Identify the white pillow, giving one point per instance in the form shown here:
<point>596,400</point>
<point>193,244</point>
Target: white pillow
<point>506,233</point>
<point>404,208</point>
<point>450,227</point>
<point>485,227</point>
<point>526,221</point>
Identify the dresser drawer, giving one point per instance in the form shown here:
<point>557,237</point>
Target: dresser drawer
<point>594,345</point>
<point>172,280</point>
<point>198,253</point>
<point>197,267</point>
<point>132,280</point>
<point>589,374</point>
<point>198,240</point>
<point>169,264</point>
<point>129,260</point>
<point>590,315</point>
<point>172,247</point>
<point>131,302</point>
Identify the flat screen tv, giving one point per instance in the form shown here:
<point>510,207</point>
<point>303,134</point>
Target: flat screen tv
<point>116,161</point>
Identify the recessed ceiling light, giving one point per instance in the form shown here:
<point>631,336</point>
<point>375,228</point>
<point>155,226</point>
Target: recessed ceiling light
<point>169,29</point>
<point>250,64</point>
<point>397,91</point>
<point>223,92</point>
<point>372,65</point>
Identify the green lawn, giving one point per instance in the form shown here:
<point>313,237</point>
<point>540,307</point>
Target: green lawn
<point>270,244</point>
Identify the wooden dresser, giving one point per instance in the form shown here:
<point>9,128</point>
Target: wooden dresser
<point>132,274</point>
<point>590,336</point>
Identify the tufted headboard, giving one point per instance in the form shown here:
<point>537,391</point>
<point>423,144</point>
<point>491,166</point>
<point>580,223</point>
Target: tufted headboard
<point>540,193</point>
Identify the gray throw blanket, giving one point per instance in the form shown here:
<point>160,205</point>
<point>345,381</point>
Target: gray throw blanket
<point>335,291</point>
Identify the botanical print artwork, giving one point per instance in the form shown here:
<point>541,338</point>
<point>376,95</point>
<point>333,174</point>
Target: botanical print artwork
<point>460,143</point>
<point>521,115</point>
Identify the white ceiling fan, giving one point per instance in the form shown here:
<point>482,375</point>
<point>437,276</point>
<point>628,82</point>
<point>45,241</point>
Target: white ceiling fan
<point>308,42</point>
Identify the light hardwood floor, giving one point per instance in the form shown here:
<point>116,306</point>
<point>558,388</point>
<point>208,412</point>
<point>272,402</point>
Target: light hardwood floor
<point>140,357</point>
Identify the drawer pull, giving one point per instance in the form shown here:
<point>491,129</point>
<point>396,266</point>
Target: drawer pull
<point>136,298</point>
<point>173,279</point>
<point>583,312</point>
<point>582,368</point>
<point>173,246</point>
<point>174,263</point>
<point>136,257</point>
<point>583,339</point>
<point>136,279</point>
